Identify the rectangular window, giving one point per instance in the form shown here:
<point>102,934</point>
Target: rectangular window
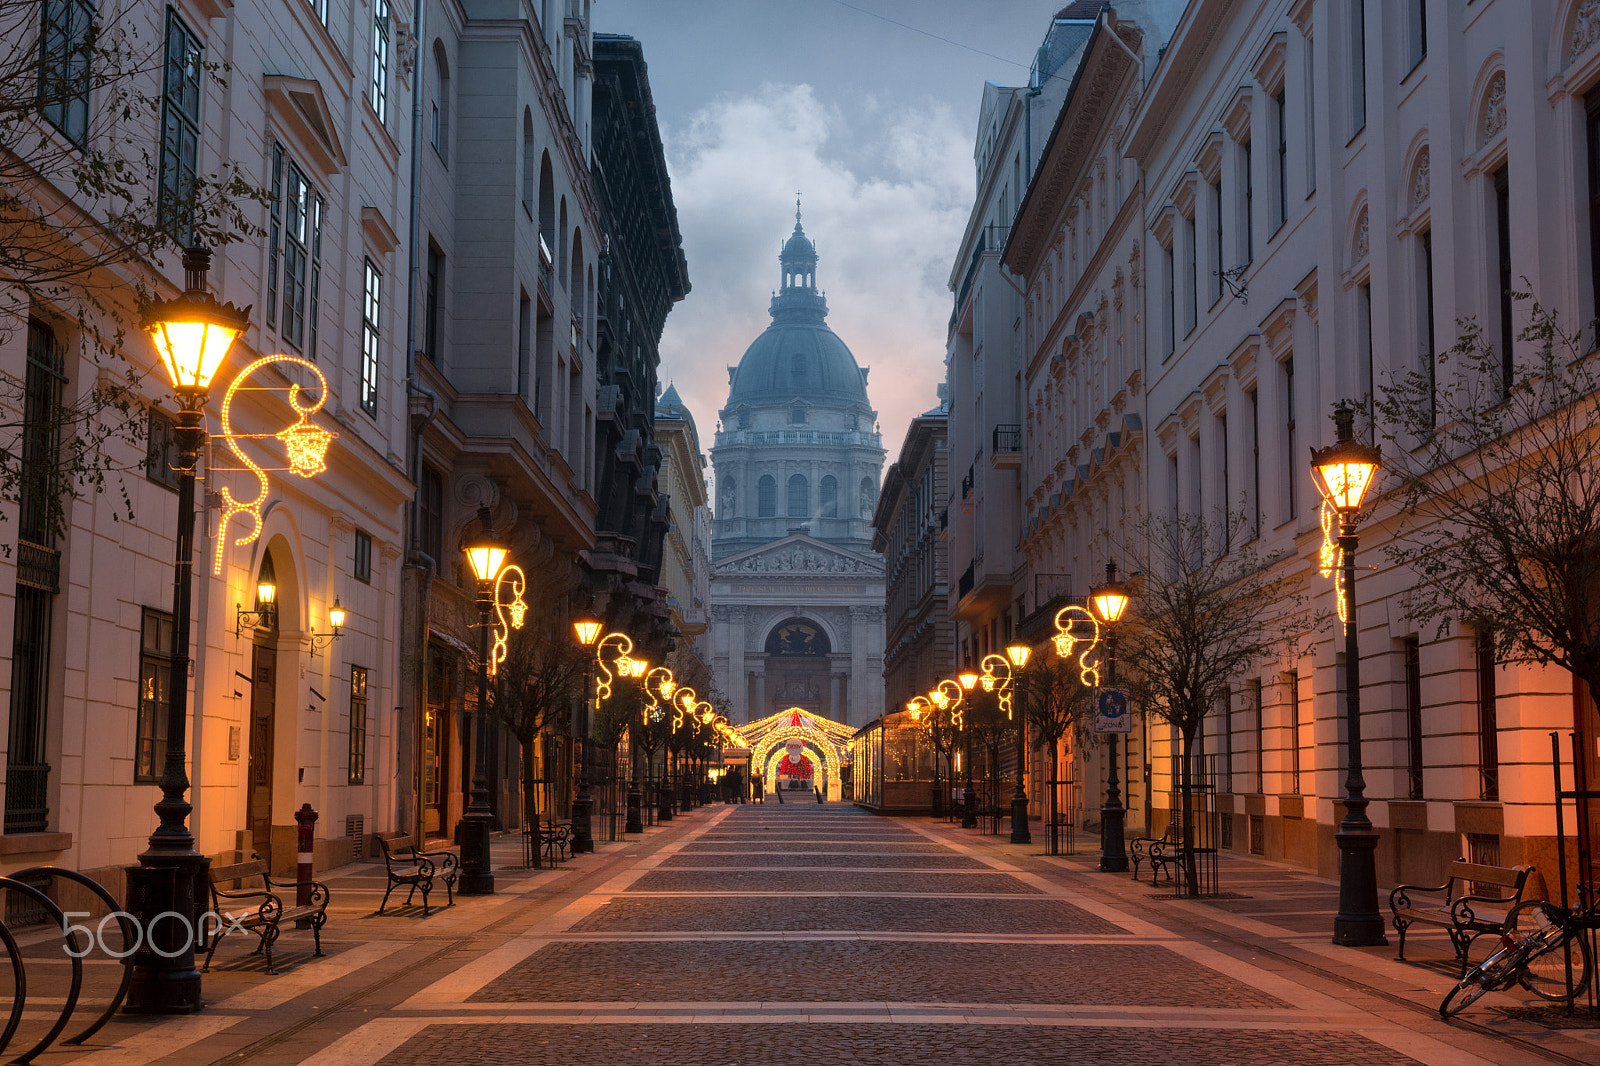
<point>180,128</point>
<point>1292,682</point>
<point>159,450</point>
<point>1255,463</point>
<point>1488,719</point>
<point>1247,216</point>
<point>358,725</point>
<point>1191,283</point>
<point>156,650</point>
<point>1291,449</point>
<point>1216,239</point>
<point>1225,727</point>
<point>371,315</point>
<point>1225,511</point>
<point>38,490</point>
<point>524,346</point>
<point>379,91</point>
<point>1364,362</point>
<point>302,222</point>
<point>274,235</point>
<point>1358,66</point>
<point>1254,687</point>
<point>320,8</point>
<point>361,565</point>
<point>1281,182</point>
<point>1416,32</point>
<point>430,306</point>
<point>1170,282</point>
<point>1591,104</point>
<point>1411,649</point>
<point>68,43</point>
<point>430,516</point>
<point>1502,218</point>
<point>1425,297</point>
<point>1310,85</point>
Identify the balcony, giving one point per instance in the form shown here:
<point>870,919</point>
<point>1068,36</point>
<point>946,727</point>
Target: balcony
<point>966,491</point>
<point>1051,592</point>
<point>1006,453</point>
<point>968,576</point>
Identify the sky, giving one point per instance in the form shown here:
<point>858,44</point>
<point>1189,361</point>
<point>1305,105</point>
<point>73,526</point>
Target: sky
<point>867,108</point>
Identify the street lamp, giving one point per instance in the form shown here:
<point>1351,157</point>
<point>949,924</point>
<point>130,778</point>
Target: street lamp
<point>192,335</point>
<point>583,803</point>
<point>1343,473</point>
<point>1017,654</point>
<point>1109,602</point>
<point>969,811</point>
<point>486,554</point>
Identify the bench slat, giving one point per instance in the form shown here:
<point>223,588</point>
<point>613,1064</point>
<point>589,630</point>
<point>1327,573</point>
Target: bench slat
<point>1487,875</point>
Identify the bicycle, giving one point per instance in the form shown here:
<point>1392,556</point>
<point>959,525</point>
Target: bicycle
<point>1542,943</point>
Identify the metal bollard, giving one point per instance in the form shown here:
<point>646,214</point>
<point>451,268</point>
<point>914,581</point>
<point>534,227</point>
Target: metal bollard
<point>305,818</point>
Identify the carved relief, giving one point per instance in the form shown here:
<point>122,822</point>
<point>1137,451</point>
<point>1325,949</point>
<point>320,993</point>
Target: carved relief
<point>1361,244</point>
<point>1494,107</point>
<point>1586,26</point>
<point>1420,179</point>
<point>800,561</point>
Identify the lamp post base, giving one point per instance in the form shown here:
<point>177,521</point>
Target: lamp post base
<point>477,871</point>
<point>1358,923</point>
<point>164,978</point>
<point>969,813</point>
<point>582,831</point>
<point>1019,819</point>
<point>1113,849</point>
<point>635,823</point>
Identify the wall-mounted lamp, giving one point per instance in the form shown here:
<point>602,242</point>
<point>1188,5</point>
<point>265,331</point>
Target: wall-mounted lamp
<point>336,620</point>
<point>265,613</point>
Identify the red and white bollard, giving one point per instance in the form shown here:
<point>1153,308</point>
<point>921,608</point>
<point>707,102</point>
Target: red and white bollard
<point>305,818</point>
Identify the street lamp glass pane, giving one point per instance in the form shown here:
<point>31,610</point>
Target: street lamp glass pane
<point>192,351</point>
<point>1109,604</point>
<point>967,680</point>
<point>1345,481</point>
<point>586,632</point>
<point>1018,654</point>
<point>486,560</point>
<point>336,616</point>
<point>266,593</point>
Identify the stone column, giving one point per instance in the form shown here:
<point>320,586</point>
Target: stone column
<point>760,709</point>
<point>738,683</point>
<point>833,696</point>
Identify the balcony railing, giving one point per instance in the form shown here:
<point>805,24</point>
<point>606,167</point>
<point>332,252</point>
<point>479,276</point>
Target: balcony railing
<point>27,797</point>
<point>967,483</point>
<point>1008,437</point>
<point>969,577</point>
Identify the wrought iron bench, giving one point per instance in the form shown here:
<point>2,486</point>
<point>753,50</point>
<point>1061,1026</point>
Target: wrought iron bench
<point>260,909</point>
<point>408,867</point>
<point>1164,852</point>
<point>1466,910</point>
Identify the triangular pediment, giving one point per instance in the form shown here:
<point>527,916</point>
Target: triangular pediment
<point>799,554</point>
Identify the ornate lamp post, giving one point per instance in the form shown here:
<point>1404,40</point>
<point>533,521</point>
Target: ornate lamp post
<point>969,811</point>
<point>583,804</point>
<point>1343,472</point>
<point>192,335</point>
<point>1109,602</point>
<point>1016,658</point>
<point>486,555</point>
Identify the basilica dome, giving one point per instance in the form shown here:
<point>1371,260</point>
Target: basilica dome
<point>798,356</point>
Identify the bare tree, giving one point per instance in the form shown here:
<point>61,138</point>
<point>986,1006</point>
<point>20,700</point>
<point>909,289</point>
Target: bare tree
<point>1206,609</point>
<point>87,202</point>
<point>1058,704</point>
<point>1495,465</point>
<point>534,691</point>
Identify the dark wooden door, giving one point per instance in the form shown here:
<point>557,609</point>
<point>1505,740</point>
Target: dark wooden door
<point>1587,719</point>
<point>262,706</point>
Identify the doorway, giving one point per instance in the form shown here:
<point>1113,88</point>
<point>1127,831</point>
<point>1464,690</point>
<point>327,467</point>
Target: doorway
<point>263,689</point>
<point>436,745</point>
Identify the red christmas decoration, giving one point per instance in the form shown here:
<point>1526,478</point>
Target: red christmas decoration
<point>795,768</point>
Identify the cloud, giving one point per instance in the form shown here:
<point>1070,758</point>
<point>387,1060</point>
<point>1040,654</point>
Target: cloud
<point>885,195</point>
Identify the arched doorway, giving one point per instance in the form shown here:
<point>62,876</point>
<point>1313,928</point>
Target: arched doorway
<point>797,673</point>
<point>263,712</point>
<point>824,742</point>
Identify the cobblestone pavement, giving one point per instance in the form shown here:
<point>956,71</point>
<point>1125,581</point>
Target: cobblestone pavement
<point>805,935</point>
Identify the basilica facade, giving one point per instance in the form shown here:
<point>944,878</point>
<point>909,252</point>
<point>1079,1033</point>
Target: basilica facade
<point>796,590</point>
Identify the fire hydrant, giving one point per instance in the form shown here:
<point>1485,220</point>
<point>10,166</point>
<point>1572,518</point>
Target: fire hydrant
<point>306,819</point>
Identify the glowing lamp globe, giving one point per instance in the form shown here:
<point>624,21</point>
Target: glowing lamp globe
<point>1018,654</point>
<point>1345,469</point>
<point>266,593</point>
<point>1109,601</point>
<point>193,332</point>
<point>586,632</point>
<point>336,615</point>
<point>967,679</point>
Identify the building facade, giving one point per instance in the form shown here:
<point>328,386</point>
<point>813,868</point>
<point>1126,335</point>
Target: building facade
<point>686,558</point>
<point>796,590</point>
<point>908,531</point>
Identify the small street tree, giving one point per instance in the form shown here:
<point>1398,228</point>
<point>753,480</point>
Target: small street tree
<point>1208,607</point>
<point>1494,465</point>
<point>89,196</point>
<point>1058,704</point>
<point>533,693</point>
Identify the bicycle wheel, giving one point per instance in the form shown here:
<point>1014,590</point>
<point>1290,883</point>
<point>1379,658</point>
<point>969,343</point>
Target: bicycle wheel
<point>1487,976</point>
<point>1552,948</point>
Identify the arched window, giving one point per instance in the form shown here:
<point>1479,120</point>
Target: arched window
<point>830,497</point>
<point>867,495</point>
<point>767,496</point>
<point>561,252</point>
<point>799,496</point>
<point>797,370</point>
<point>439,114</point>
<point>579,298</point>
<point>726,507</point>
<point>530,165</point>
<point>547,210</point>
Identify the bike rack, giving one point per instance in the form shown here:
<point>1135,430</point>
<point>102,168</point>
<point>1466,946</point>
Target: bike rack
<point>1588,894</point>
<point>15,883</point>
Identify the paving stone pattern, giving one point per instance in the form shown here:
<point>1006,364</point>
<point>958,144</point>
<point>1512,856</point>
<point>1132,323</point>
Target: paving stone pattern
<point>880,1045</point>
<point>946,861</point>
<point>821,846</point>
<point>853,914</point>
<point>1140,975</point>
<point>820,881</point>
